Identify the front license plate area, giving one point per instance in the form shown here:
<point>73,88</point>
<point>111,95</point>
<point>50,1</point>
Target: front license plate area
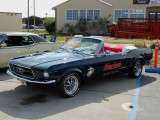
<point>22,82</point>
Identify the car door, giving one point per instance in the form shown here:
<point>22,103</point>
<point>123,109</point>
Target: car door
<point>7,53</point>
<point>89,68</point>
<point>111,64</point>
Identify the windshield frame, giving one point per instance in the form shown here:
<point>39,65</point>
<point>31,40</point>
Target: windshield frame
<point>99,47</point>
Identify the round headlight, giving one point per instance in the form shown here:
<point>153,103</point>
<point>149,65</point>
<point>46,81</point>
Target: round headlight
<point>45,74</point>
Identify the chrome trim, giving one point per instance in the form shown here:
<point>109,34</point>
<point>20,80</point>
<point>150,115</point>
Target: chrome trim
<point>11,74</point>
<point>21,76</point>
<point>26,68</point>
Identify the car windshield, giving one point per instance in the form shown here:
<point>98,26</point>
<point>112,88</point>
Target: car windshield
<point>81,45</point>
<point>1,37</point>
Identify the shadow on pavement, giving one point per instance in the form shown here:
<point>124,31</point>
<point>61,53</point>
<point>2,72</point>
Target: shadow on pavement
<point>36,103</point>
<point>3,75</point>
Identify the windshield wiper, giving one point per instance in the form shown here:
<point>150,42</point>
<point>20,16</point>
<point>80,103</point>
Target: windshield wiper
<point>63,49</point>
<point>79,52</point>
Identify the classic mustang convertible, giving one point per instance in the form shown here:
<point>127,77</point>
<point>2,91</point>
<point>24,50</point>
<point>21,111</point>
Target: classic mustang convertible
<point>78,60</point>
<point>19,43</point>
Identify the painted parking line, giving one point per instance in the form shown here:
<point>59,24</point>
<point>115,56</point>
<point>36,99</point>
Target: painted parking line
<point>135,100</point>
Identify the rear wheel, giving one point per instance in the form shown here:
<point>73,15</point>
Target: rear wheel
<point>136,69</point>
<point>70,84</point>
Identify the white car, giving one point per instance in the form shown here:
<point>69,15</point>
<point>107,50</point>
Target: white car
<point>19,43</point>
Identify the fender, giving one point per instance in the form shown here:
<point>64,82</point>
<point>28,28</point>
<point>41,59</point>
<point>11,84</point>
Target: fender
<point>133,60</point>
<point>72,70</point>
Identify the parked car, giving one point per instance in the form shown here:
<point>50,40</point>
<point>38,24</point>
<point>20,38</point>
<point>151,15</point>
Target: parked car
<point>19,43</point>
<point>78,60</point>
<point>41,27</point>
<point>25,26</point>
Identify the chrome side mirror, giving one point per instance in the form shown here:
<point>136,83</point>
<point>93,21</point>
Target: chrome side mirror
<point>107,52</point>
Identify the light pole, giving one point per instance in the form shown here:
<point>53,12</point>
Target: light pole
<point>28,15</point>
<point>34,15</point>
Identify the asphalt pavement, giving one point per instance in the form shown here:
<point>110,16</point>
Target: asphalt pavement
<point>117,98</point>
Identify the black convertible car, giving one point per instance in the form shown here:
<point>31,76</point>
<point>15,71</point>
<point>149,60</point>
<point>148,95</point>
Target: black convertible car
<point>78,60</point>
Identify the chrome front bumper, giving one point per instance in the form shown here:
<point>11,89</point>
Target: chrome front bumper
<point>30,81</point>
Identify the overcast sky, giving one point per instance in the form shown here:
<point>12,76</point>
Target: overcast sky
<point>20,6</point>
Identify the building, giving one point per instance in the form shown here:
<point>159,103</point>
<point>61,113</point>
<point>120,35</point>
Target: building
<point>10,22</point>
<point>72,10</point>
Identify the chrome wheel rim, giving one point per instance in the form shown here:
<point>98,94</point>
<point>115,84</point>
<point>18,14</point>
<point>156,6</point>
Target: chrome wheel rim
<point>71,84</point>
<point>137,68</point>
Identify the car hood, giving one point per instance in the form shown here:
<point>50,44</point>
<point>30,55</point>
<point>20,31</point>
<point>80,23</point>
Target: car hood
<point>46,58</point>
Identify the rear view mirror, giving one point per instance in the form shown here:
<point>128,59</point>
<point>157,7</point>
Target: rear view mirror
<point>105,53</point>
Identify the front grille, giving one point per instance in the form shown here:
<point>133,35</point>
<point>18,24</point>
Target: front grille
<point>22,71</point>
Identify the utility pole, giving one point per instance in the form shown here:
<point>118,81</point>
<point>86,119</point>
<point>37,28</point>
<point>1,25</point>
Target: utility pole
<point>34,15</point>
<point>28,15</point>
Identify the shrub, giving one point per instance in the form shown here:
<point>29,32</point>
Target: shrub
<point>101,25</point>
<point>82,25</point>
<point>38,20</point>
<point>152,46</point>
<point>70,28</point>
<point>88,27</point>
<point>49,24</point>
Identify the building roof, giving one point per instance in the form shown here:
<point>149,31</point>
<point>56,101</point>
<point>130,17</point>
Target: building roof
<point>70,0</point>
<point>104,2</point>
<point>10,12</point>
<point>59,4</point>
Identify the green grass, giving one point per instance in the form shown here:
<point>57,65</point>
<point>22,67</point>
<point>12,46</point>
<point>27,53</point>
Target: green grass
<point>39,32</point>
<point>48,37</point>
<point>60,39</point>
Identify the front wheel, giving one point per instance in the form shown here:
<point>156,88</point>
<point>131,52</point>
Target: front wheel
<point>136,69</point>
<point>70,84</point>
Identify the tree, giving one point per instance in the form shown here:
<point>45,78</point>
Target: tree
<point>38,20</point>
<point>101,25</point>
<point>49,24</point>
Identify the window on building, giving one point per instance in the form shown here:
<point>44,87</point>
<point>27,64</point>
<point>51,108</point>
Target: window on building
<point>132,13</point>
<point>158,15</point>
<point>90,15</point>
<point>137,13</point>
<point>82,14</point>
<point>120,14</point>
<point>69,15</point>
<point>96,14</point>
<point>154,15</point>
<point>75,14</point>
